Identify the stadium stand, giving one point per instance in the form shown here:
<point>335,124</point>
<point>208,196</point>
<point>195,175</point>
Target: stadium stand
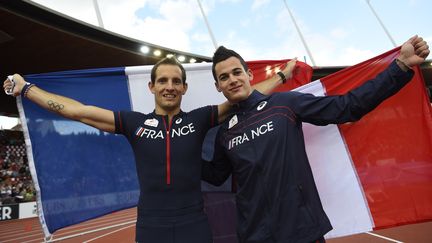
<point>15,180</point>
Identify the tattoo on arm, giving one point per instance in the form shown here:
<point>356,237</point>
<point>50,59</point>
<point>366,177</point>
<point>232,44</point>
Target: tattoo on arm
<point>55,106</point>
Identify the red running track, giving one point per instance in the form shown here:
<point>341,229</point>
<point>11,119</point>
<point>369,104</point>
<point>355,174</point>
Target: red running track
<point>119,227</point>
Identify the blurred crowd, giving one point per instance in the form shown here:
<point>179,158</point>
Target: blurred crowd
<point>15,180</point>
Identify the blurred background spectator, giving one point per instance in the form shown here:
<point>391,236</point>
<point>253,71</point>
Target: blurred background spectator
<point>15,180</point>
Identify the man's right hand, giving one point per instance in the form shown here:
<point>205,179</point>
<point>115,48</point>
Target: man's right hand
<point>289,68</point>
<point>414,52</point>
<point>19,84</point>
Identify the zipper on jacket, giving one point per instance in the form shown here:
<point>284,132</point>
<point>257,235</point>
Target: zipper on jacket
<point>168,151</point>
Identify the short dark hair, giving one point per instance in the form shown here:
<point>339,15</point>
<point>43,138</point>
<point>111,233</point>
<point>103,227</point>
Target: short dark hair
<point>167,61</point>
<point>221,54</point>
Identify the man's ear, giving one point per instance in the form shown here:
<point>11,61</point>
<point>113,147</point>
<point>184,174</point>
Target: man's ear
<point>185,85</point>
<point>151,87</point>
<point>250,74</point>
<point>217,86</point>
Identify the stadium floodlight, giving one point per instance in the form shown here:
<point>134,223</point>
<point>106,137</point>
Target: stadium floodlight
<point>145,49</point>
<point>268,70</point>
<point>157,53</point>
<point>181,58</point>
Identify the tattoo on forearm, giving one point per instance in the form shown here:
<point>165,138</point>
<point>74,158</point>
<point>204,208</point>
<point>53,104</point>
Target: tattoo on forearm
<point>55,106</point>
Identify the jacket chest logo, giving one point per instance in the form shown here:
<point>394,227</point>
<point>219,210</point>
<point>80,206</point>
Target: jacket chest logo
<point>151,122</point>
<point>261,105</point>
<point>144,132</point>
<point>149,133</point>
<point>233,122</point>
<point>251,134</point>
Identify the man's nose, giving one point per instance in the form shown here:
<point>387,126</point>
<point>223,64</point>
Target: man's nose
<point>232,79</point>
<point>170,85</point>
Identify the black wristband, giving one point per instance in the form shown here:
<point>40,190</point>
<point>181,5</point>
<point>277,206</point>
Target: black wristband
<point>25,89</point>
<point>282,76</point>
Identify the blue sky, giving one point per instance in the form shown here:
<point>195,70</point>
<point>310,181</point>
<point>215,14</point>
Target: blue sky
<point>337,32</point>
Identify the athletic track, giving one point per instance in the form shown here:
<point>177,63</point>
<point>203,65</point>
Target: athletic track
<point>119,227</point>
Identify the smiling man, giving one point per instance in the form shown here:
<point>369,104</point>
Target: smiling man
<point>262,144</point>
<point>168,84</point>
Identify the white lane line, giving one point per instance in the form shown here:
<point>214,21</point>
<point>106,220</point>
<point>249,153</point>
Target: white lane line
<point>112,232</point>
<point>92,223</point>
<point>92,231</point>
<point>383,237</point>
<point>24,237</point>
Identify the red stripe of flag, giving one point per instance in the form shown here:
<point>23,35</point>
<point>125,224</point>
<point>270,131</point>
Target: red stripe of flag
<point>391,147</point>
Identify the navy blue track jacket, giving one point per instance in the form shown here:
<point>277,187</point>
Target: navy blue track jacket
<point>277,199</point>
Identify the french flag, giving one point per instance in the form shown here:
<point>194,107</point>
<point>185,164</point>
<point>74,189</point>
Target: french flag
<point>377,172</point>
<point>371,174</point>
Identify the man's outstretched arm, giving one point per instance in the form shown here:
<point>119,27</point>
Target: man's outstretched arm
<point>91,115</point>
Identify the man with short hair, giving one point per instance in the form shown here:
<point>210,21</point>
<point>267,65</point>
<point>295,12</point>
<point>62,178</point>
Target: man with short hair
<point>170,207</point>
<point>262,143</point>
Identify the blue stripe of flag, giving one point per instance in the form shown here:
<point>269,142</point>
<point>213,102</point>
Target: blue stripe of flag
<point>82,172</point>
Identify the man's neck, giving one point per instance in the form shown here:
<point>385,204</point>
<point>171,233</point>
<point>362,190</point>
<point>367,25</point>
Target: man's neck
<point>170,113</point>
<point>236,103</point>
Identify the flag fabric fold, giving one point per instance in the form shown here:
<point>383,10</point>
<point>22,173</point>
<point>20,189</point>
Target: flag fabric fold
<point>363,170</point>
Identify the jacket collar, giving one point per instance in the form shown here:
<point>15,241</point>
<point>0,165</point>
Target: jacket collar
<point>160,116</point>
<point>254,98</point>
